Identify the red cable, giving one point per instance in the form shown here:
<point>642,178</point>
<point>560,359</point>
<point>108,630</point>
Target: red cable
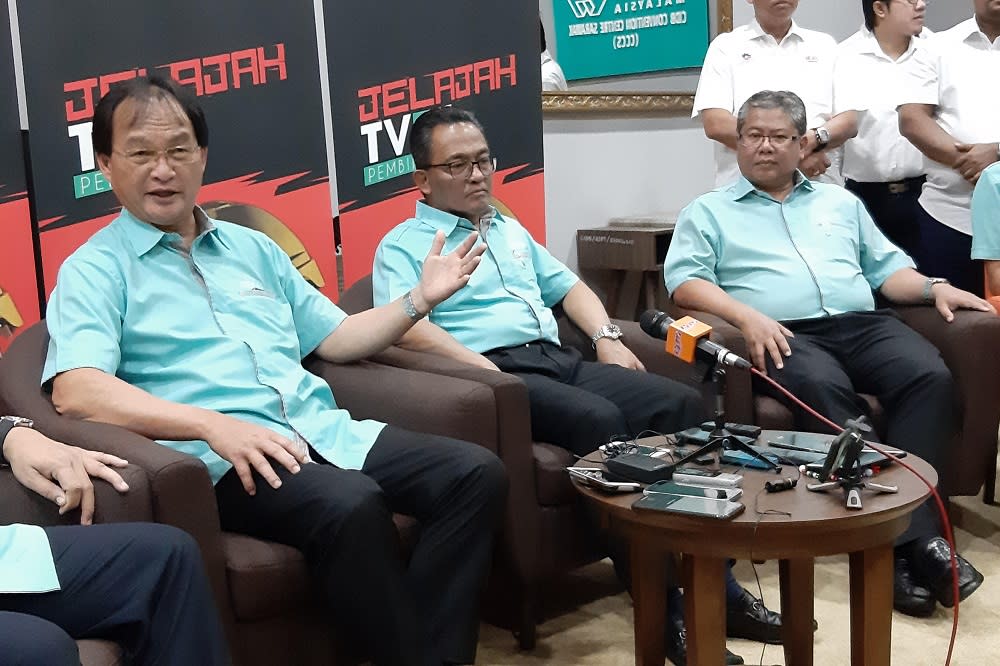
<point>949,536</point>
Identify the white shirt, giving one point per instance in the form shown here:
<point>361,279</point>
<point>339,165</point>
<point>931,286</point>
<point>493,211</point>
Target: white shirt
<point>552,74</point>
<point>875,85</point>
<point>961,76</point>
<point>747,60</point>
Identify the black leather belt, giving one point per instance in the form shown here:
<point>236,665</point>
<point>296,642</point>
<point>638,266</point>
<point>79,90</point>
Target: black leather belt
<point>896,187</point>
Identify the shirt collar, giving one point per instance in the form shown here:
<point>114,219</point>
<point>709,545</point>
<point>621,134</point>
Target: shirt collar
<point>970,31</point>
<point>870,45</point>
<point>144,236</point>
<point>757,32</point>
<point>742,187</point>
<point>445,221</point>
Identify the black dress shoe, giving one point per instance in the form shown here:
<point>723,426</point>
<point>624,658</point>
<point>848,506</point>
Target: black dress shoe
<point>908,596</point>
<point>676,644</point>
<point>932,564</point>
<point>749,618</point>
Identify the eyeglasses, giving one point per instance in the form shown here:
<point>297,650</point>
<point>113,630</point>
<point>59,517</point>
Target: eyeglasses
<point>755,140</point>
<point>175,156</point>
<point>463,168</point>
<point>915,3</point>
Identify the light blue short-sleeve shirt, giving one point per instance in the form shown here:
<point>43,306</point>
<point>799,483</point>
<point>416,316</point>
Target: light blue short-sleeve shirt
<point>508,300</point>
<point>818,253</point>
<point>223,327</point>
<point>986,215</point>
<point>26,564</point>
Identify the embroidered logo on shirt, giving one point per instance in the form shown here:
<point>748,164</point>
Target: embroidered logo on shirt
<point>747,56</point>
<point>250,288</point>
<point>812,58</point>
<point>520,255</point>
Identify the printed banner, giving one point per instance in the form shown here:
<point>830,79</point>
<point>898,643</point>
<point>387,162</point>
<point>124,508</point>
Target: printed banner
<point>253,64</point>
<point>614,37</point>
<point>391,61</point>
<point>18,285</point>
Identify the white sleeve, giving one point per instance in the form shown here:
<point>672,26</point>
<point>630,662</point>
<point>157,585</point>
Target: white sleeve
<point>922,78</point>
<point>847,92</point>
<point>715,85</point>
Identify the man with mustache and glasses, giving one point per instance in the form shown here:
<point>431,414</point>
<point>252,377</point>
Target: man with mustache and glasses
<point>503,320</point>
<point>793,264</point>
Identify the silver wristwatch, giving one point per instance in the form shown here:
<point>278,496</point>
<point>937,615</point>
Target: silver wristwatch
<point>927,295</point>
<point>609,330</point>
<point>410,309</point>
<point>822,136</point>
<point>8,423</point>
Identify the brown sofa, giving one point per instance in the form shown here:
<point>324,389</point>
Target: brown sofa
<point>20,505</point>
<point>262,588</point>
<point>969,346</point>
<point>547,525</point>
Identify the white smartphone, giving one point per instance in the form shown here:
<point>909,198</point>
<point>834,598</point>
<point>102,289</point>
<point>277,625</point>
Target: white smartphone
<point>704,477</point>
<point>593,476</point>
<point>695,506</point>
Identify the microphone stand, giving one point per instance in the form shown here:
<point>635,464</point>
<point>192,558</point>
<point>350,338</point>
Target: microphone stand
<point>720,438</point>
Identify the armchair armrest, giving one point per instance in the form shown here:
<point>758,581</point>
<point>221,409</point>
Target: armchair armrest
<point>21,505</point>
<point>969,346</point>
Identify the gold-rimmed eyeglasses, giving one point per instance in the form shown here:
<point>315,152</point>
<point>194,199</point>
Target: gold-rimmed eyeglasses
<point>175,156</point>
<point>755,140</point>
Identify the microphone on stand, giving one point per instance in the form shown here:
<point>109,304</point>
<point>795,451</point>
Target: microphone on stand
<point>687,339</point>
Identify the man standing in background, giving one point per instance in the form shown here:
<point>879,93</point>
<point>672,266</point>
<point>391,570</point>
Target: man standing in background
<point>952,114</point>
<point>773,53</point>
<point>880,166</point>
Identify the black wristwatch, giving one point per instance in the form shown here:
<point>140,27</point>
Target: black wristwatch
<point>8,423</point>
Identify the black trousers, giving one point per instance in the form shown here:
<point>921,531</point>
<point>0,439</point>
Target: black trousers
<point>835,358</point>
<point>580,405</point>
<point>946,252</point>
<point>895,213</point>
<point>140,585</point>
<point>422,612</point>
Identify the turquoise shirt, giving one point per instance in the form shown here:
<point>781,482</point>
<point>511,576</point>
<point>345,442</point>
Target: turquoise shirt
<point>508,300</point>
<point>224,328</point>
<point>986,215</point>
<point>26,563</point>
<point>817,253</point>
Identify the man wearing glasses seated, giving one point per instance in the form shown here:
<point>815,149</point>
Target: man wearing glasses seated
<point>793,264</point>
<point>503,320</point>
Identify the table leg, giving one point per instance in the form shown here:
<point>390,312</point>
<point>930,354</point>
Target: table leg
<point>871,606</point>
<point>797,586</point>
<point>705,609</point>
<point>649,601</point>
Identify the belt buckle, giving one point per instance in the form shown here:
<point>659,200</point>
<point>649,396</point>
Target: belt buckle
<point>898,188</point>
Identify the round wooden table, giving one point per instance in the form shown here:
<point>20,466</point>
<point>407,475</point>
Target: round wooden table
<point>819,525</point>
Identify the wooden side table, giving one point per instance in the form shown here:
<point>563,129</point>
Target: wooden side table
<point>819,525</point>
<point>632,251</point>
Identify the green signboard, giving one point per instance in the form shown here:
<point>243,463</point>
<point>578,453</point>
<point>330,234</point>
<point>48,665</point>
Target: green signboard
<point>614,37</point>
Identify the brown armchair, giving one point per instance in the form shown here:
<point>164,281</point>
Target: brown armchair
<point>547,526</point>
<point>20,505</point>
<point>262,588</point>
<point>968,346</point>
